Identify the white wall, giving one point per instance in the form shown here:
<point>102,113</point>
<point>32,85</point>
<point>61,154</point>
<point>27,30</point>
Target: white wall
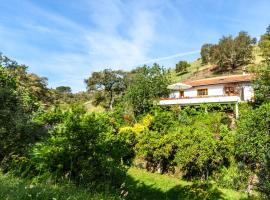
<point>214,90</point>
<point>174,94</point>
<point>248,92</point>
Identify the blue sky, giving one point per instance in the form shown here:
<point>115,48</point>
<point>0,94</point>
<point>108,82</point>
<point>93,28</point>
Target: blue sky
<point>66,40</point>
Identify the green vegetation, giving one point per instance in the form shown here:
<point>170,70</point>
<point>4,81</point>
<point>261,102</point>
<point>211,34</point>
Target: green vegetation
<point>196,70</point>
<point>58,145</point>
<point>139,185</point>
<point>182,67</point>
<point>147,85</point>
<point>107,85</point>
<point>230,52</point>
<point>20,189</point>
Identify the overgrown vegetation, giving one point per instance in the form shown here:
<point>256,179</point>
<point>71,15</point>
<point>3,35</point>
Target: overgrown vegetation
<point>48,136</point>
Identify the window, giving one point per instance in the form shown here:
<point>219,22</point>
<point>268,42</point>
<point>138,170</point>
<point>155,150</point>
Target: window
<point>202,92</point>
<point>230,90</point>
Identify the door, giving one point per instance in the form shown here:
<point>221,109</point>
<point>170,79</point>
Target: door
<point>181,92</point>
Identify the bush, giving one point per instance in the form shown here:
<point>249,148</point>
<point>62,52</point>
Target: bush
<point>234,176</point>
<point>264,178</point>
<point>204,146</point>
<point>253,137</point>
<point>83,147</point>
<point>17,129</point>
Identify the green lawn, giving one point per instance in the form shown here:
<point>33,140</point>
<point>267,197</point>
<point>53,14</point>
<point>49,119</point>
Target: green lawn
<point>139,185</point>
<point>156,186</point>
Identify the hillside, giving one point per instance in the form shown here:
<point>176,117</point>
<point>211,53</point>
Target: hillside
<point>199,71</point>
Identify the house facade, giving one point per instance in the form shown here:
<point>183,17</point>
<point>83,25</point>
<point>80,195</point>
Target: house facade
<point>223,89</point>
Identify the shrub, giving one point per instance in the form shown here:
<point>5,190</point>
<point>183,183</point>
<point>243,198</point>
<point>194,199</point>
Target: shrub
<point>17,130</point>
<point>204,146</point>
<point>264,178</point>
<point>83,147</point>
<point>234,176</point>
<point>253,137</point>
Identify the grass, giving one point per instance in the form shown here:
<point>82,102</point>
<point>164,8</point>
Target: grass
<point>139,185</point>
<point>195,68</point>
<point>13,188</point>
<point>158,187</point>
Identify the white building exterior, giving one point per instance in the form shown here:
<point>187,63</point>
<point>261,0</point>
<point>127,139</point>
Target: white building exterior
<point>215,90</point>
<point>223,89</point>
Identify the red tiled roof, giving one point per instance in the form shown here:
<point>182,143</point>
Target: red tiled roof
<point>220,80</point>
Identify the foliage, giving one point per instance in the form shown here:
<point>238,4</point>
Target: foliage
<point>63,89</point>
<point>157,150</point>
<point>204,146</point>
<point>264,177</point>
<point>83,147</point>
<point>253,136</point>
<point>264,45</point>
<point>234,176</point>
<point>17,130</point>
<point>182,67</point>
<point>106,84</point>
<point>199,144</point>
<point>70,98</point>
<point>206,53</point>
<point>230,52</point>
<point>261,84</point>
<point>32,83</point>
<point>148,84</point>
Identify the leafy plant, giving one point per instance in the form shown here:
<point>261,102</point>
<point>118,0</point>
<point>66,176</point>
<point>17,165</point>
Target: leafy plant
<point>83,147</point>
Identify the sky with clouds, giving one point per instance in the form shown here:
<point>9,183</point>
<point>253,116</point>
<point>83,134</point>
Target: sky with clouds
<point>66,40</point>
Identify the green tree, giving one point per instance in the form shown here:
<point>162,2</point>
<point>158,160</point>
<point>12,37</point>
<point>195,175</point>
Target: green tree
<point>17,130</point>
<point>107,85</point>
<point>34,84</point>
<point>253,136</point>
<point>206,53</point>
<point>63,89</point>
<point>147,85</point>
<point>231,53</point>
<point>264,45</point>
<point>262,80</point>
<point>261,84</point>
<point>182,67</point>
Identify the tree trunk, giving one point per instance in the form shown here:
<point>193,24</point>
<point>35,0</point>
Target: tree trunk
<point>111,101</point>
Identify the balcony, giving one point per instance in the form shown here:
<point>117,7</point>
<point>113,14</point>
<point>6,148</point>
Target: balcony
<point>199,100</point>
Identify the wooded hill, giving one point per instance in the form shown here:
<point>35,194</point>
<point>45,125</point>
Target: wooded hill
<point>199,70</point>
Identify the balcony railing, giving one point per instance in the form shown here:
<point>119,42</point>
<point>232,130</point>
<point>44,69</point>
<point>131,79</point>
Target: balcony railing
<point>199,100</point>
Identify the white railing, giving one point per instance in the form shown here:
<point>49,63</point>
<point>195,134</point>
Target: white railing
<point>199,100</point>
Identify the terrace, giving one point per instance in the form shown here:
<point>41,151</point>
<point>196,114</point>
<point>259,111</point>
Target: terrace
<point>199,100</point>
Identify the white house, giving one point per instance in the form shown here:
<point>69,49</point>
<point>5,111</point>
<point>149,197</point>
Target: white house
<point>223,89</point>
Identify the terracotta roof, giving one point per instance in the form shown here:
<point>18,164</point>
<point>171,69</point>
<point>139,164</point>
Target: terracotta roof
<point>220,80</point>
